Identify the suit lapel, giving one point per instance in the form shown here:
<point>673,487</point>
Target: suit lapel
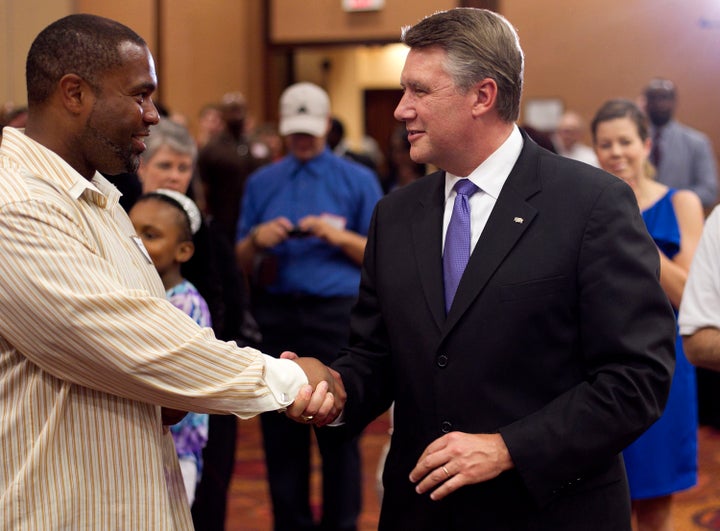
<point>510,218</point>
<point>427,240</point>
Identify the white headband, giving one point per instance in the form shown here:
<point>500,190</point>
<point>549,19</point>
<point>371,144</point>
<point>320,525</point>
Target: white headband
<point>187,204</point>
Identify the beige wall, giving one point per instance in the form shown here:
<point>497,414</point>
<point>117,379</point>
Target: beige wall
<point>303,21</point>
<point>587,52</point>
<point>137,14</point>
<point>580,52</point>
<point>210,48</point>
<point>20,21</point>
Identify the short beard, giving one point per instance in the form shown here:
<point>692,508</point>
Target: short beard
<point>127,162</point>
<point>659,120</point>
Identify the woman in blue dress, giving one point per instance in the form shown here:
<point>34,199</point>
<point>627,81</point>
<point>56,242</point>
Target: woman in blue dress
<point>664,459</point>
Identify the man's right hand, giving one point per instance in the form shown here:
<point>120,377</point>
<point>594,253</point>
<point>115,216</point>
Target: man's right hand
<point>323,400</point>
<point>270,233</point>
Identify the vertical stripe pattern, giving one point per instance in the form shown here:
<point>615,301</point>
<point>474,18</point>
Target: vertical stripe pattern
<point>89,350</point>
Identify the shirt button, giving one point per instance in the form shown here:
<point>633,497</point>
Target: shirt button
<point>284,397</point>
<point>446,427</point>
<point>442,360</point>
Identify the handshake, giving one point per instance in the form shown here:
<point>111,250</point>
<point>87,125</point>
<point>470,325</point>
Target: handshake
<point>323,399</point>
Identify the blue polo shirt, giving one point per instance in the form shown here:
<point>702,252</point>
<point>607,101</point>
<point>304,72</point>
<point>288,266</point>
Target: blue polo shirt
<point>326,184</point>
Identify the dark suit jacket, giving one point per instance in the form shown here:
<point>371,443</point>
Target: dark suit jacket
<point>560,338</point>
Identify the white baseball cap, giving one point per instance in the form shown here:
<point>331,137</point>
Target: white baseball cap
<point>304,108</point>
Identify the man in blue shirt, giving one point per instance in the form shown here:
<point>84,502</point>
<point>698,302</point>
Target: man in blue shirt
<point>301,235</point>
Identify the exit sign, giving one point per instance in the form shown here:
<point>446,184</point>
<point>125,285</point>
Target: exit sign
<point>363,5</point>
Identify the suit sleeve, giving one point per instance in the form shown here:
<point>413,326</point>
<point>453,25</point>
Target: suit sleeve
<point>370,359</point>
<point>627,333</point>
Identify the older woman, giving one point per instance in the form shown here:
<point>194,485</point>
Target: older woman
<point>169,159</point>
<point>664,459</point>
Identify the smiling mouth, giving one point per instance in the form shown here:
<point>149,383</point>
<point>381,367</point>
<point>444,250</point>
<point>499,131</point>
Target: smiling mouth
<point>139,142</point>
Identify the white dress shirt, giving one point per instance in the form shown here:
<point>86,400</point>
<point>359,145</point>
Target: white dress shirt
<point>489,177</point>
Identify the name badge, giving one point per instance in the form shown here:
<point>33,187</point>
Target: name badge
<point>334,220</point>
<point>141,247</point>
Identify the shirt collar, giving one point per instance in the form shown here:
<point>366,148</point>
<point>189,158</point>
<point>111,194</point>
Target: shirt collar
<point>47,165</point>
<point>297,165</point>
<point>492,173</point>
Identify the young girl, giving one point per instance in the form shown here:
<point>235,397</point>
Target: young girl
<point>166,220</point>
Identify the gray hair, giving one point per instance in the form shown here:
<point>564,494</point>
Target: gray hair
<point>170,134</point>
<point>479,44</point>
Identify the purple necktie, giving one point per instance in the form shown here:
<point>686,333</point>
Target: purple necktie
<point>457,240</point>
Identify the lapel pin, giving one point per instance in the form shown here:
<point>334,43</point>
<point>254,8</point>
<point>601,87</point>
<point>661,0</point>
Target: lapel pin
<point>518,220</point>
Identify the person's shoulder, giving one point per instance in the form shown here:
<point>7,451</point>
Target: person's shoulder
<point>277,169</point>
<point>690,133</point>
<point>569,181</point>
<point>13,186</point>
<point>683,196</point>
<point>19,184</point>
<point>552,165</point>
<point>192,291</point>
<point>185,290</point>
<point>356,174</point>
<point>350,165</point>
<point>688,207</point>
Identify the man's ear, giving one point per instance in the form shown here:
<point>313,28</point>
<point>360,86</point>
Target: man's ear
<point>485,93</point>
<point>74,92</point>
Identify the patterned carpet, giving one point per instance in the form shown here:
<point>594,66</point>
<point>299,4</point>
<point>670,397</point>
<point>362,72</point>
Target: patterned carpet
<point>249,506</point>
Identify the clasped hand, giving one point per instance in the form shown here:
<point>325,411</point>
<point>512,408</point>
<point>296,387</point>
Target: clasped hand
<point>322,400</point>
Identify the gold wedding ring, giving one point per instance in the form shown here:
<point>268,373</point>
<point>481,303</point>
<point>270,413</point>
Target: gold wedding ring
<point>445,470</point>
<point>307,418</point>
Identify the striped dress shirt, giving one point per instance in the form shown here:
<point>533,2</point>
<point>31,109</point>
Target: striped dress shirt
<point>89,351</point>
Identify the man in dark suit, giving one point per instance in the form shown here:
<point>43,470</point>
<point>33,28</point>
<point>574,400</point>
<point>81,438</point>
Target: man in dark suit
<point>513,399</point>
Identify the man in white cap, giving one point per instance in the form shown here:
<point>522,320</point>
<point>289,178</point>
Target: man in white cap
<point>302,234</point>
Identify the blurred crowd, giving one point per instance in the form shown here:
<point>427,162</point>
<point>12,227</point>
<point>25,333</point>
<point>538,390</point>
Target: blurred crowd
<point>638,139</point>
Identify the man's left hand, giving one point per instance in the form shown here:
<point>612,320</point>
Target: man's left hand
<point>459,459</point>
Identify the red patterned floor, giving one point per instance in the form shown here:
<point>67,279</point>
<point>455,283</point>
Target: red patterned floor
<point>699,507</point>
<point>249,506</point>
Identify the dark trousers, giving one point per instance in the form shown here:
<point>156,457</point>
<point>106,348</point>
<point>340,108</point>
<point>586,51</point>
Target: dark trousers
<point>708,392</point>
<point>210,506</point>
<point>317,327</point>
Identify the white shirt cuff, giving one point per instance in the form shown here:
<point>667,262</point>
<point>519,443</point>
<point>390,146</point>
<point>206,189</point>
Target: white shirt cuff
<point>284,378</point>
